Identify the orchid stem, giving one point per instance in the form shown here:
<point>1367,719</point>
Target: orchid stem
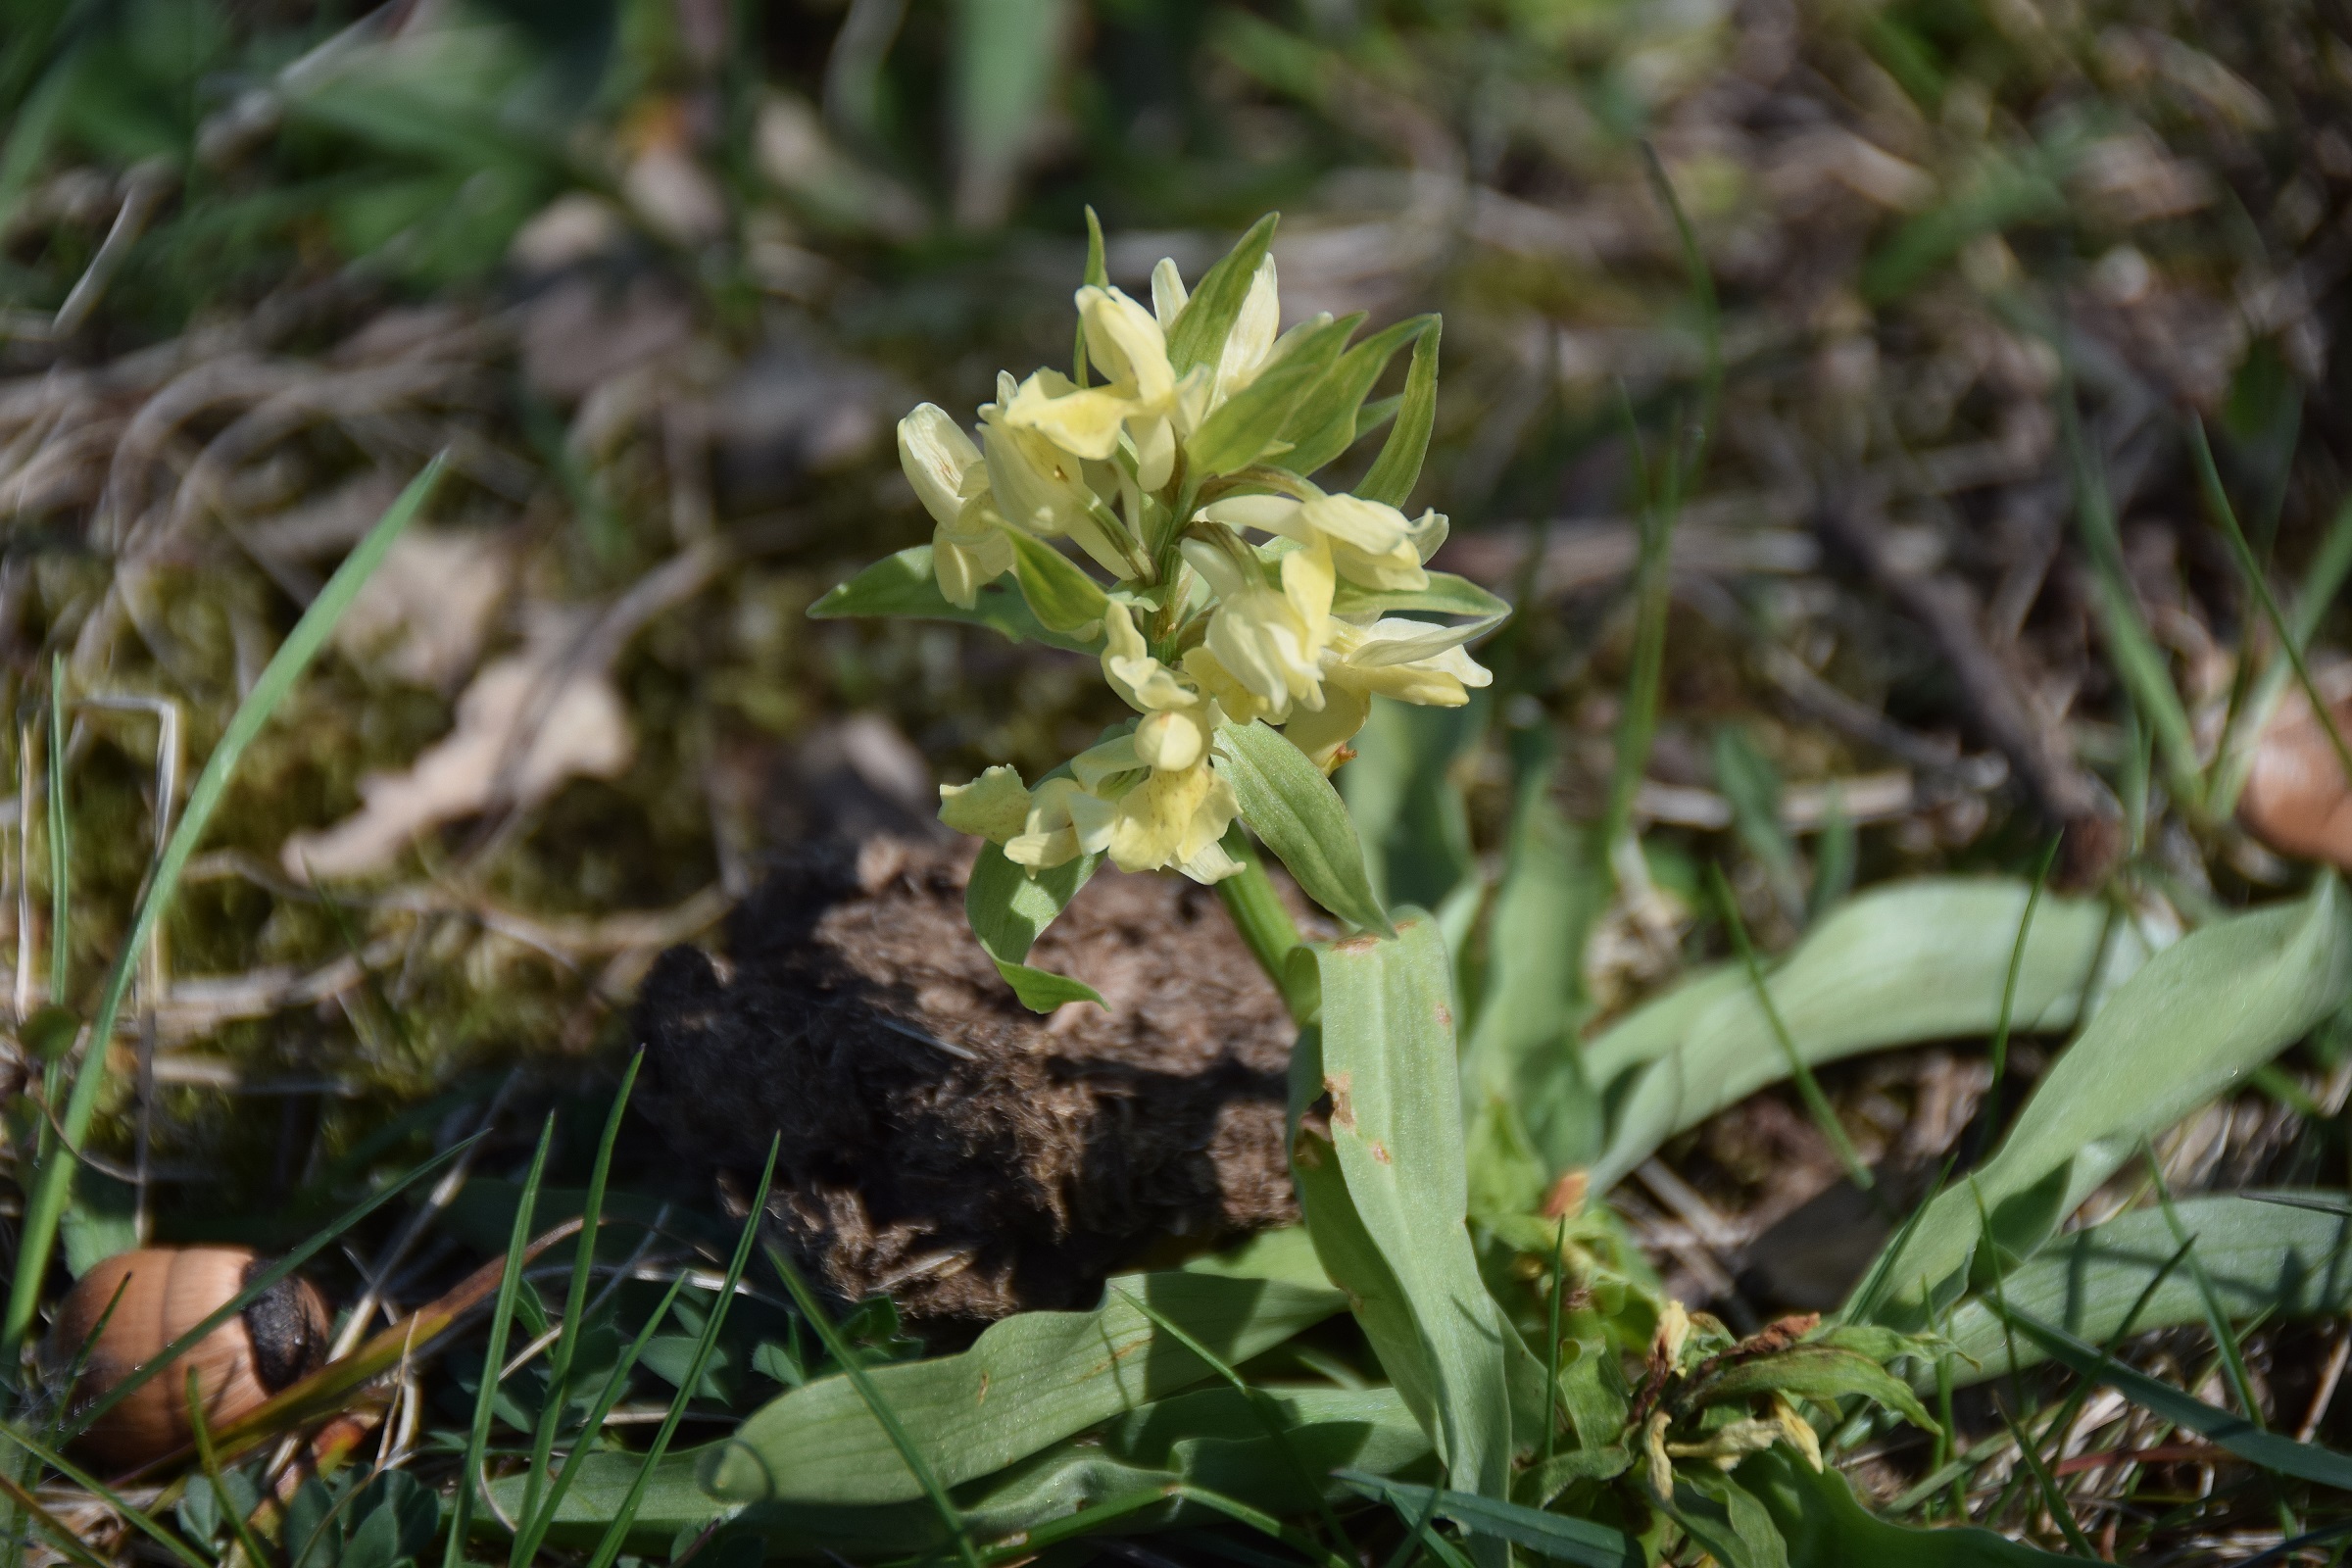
<point>1266,927</point>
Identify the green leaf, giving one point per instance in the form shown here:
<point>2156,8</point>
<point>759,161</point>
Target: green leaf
<point>2264,1258</point>
<point>1203,326</point>
<point>1406,802</point>
<point>1555,1535</point>
<point>1042,990</point>
<point>1924,959</point>
<point>1205,1439</point>
<point>1397,468</point>
<point>1384,1054</point>
<point>1058,591</point>
<point>1824,1527</point>
<point>1822,1373</point>
<point>1446,594</point>
<point>1325,422</point>
<point>1523,1065</point>
<point>1293,808</point>
<point>1248,423</point>
<point>1725,1518</point>
<point>2222,1000</point>
<point>1008,909</point>
<point>2278,1454</point>
<point>1098,275</point>
<point>903,585</point>
<point>1030,1381</point>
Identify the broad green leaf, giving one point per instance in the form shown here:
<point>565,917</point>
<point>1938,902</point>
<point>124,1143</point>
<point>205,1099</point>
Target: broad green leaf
<point>903,585</point>
<point>1057,589</point>
<point>1522,1064</point>
<point>1207,316</point>
<point>1446,594</point>
<point>2277,1453</point>
<point>1923,959</point>
<point>1246,423</point>
<point>1207,1439</point>
<point>1293,808</point>
<point>1029,1381</point>
<point>1822,1373</point>
<point>1008,909</point>
<point>1555,1535</point>
<point>2197,1018</point>
<point>1824,1527</point>
<point>2265,1259</point>
<point>1382,1054</point>
<point>1397,468</point>
<point>1324,423</point>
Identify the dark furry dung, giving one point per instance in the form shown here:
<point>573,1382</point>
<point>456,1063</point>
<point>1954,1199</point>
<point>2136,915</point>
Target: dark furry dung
<point>941,1143</point>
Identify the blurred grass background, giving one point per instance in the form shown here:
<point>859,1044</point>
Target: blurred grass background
<point>661,274</point>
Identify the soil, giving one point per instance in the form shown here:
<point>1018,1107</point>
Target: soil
<point>939,1143</point>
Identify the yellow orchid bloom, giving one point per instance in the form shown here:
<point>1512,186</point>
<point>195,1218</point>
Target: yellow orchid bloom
<point>1141,394</point>
<point>1410,660</point>
<point>1372,544</point>
<point>1044,487</point>
<point>968,547</point>
<point>1146,810</point>
<point>1268,641</point>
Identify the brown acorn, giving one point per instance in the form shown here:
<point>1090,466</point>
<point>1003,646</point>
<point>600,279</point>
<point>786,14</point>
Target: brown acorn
<point>280,1337</point>
<point>2295,798</point>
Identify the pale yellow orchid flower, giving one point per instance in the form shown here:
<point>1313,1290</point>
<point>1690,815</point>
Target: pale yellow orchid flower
<point>1372,544</point>
<point>1410,660</point>
<point>968,547</point>
<point>1141,396</point>
<point>1042,487</point>
<point>1269,641</point>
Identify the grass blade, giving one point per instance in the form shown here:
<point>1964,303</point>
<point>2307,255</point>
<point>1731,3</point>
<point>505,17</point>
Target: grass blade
<point>2216,1318</point>
<point>2305,1461</point>
<point>575,1304</point>
<point>140,1521</point>
<point>1265,1524</point>
<point>501,1318</point>
<point>1825,1115</point>
<point>1653,583</point>
<point>1989,1118</point>
<point>60,840</point>
<point>2138,661</point>
<point>1555,1535</point>
<point>839,1349</point>
<point>1268,1415</point>
<point>616,1534</point>
<point>210,1461</point>
<point>2259,586</point>
<point>45,1204</point>
<point>2234,758</point>
<point>2047,1485</point>
<point>535,1530</point>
